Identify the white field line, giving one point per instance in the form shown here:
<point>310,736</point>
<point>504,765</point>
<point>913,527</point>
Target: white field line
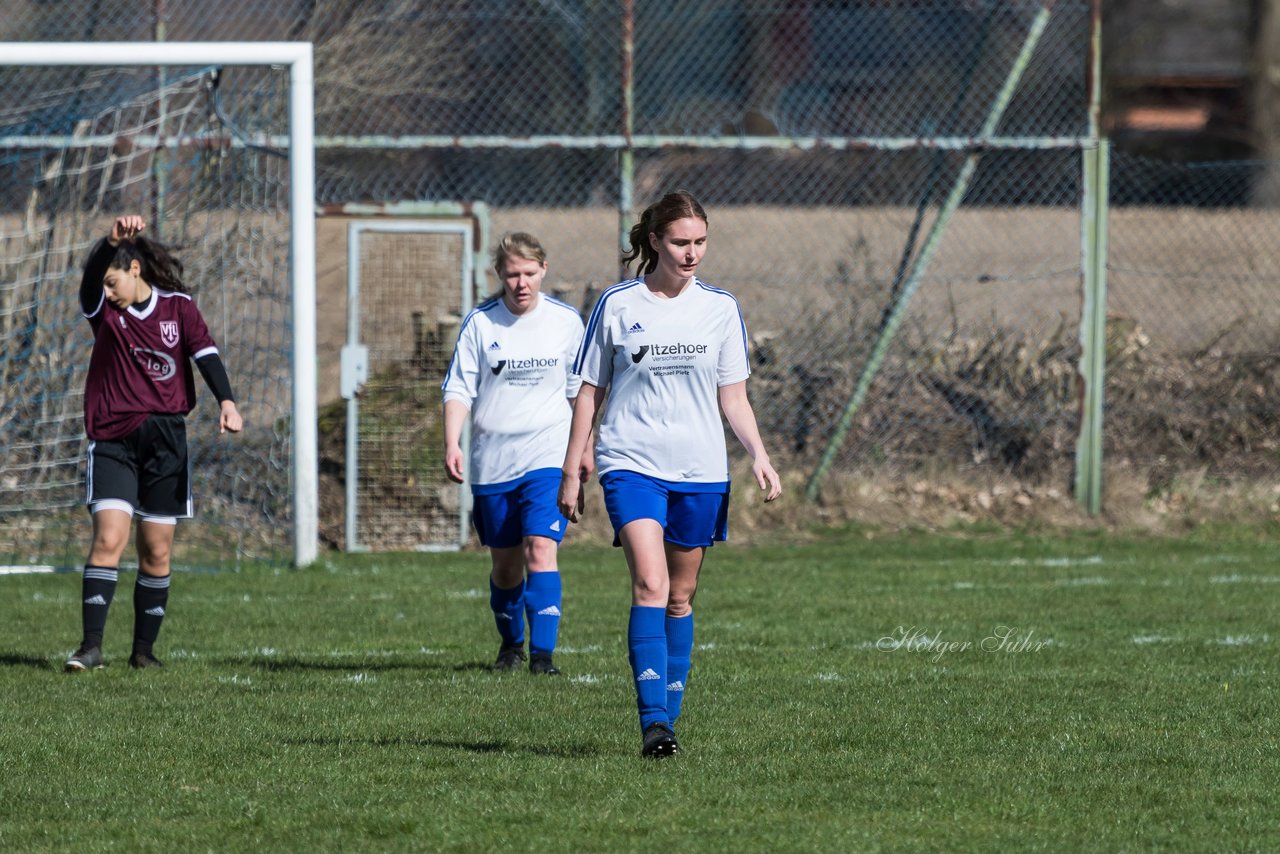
<point>1143,640</point>
<point>1243,640</point>
<point>1088,581</point>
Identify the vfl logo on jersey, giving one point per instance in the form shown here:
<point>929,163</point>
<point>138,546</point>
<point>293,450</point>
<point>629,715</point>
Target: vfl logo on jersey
<point>159,366</point>
<point>169,333</point>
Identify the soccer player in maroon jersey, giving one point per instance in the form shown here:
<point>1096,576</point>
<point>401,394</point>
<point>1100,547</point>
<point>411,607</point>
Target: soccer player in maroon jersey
<point>146,332</point>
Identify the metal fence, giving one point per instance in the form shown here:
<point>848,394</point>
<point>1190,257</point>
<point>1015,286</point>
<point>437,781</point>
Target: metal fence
<point>895,194</point>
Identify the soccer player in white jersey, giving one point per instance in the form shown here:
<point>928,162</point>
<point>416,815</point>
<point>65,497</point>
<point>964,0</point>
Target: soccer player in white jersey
<point>510,373</point>
<point>667,348</point>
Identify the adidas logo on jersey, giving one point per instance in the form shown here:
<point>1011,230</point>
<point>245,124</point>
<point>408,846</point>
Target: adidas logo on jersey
<point>648,675</point>
<point>555,526</point>
<point>96,599</point>
<point>549,611</point>
<point>635,327</point>
<point>675,686</point>
<point>495,346</point>
<point>158,611</point>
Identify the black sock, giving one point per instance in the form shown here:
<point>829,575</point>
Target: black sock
<point>150,596</point>
<point>96,591</point>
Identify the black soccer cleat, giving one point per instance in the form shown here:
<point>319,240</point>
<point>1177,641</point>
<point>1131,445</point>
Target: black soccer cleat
<point>540,665</point>
<point>510,657</point>
<point>84,658</point>
<point>659,742</point>
<point>144,660</point>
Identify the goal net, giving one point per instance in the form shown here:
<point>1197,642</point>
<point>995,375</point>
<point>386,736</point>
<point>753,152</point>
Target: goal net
<point>203,154</point>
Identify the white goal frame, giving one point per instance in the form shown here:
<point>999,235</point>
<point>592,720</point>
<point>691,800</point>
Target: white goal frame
<point>297,57</point>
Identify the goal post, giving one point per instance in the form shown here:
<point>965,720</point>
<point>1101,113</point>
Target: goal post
<point>297,58</point>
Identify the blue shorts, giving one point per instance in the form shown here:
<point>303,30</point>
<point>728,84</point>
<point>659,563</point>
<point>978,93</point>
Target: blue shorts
<point>505,513</point>
<point>692,515</point>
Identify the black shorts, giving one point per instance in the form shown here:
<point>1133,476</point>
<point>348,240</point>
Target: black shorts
<point>148,470</point>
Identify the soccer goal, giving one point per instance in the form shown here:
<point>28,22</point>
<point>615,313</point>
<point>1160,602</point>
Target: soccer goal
<point>213,143</point>
<point>413,272</point>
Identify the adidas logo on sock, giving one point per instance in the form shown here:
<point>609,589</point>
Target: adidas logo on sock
<point>157,611</point>
<point>502,616</point>
<point>675,686</point>
<point>95,599</point>
<point>549,611</point>
<point>636,327</point>
<point>555,526</point>
<point>648,674</point>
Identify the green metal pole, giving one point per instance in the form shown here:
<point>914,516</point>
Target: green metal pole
<point>626,156</point>
<point>896,314</point>
<point>1095,198</point>
<point>1093,326</point>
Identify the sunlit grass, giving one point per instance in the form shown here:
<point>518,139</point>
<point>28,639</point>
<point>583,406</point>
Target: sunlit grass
<point>856,692</point>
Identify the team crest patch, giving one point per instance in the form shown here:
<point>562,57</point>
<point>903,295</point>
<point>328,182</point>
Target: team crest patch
<point>169,332</point>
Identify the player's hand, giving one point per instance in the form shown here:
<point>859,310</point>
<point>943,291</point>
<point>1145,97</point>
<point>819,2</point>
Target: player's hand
<point>570,499</point>
<point>586,468</point>
<point>126,228</point>
<point>230,419</point>
<point>587,465</point>
<point>767,478</point>
<point>453,463</point>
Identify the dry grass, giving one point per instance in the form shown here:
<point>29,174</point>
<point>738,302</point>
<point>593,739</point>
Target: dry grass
<point>1192,372</point>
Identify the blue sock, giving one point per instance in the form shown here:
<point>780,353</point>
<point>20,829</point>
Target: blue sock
<point>679,654</point>
<point>508,611</point>
<point>542,604</point>
<point>647,649</point>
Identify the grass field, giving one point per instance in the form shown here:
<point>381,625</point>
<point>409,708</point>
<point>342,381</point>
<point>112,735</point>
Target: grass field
<point>851,691</point>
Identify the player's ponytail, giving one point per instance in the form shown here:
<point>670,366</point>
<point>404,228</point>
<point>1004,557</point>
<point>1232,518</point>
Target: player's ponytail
<point>673,206</point>
<point>157,266</point>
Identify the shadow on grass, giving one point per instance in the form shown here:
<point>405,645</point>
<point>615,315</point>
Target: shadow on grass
<point>289,665</point>
<point>13,659</point>
<point>558,751</point>
<point>293,665</point>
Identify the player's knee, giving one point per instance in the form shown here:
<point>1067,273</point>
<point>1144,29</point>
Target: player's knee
<point>678,606</point>
<point>109,544</point>
<point>154,555</point>
<point>540,554</point>
<point>650,592</point>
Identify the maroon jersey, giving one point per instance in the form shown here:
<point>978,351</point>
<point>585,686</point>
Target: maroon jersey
<point>141,362</point>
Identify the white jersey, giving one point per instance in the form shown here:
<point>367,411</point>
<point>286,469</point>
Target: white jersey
<point>664,361</point>
<point>513,372</point>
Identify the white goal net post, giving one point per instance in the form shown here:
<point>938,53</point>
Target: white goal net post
<point>297,58</point>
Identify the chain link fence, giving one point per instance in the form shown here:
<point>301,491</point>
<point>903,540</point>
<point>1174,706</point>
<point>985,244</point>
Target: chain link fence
<point>825,141</point>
